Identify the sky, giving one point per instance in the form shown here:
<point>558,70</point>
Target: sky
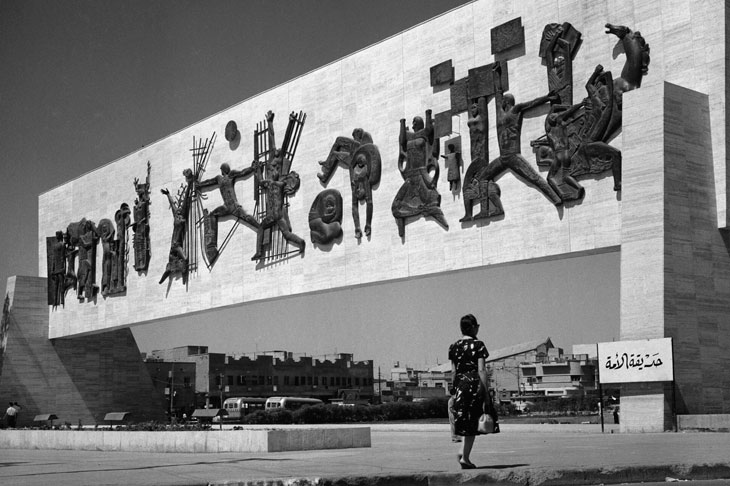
<point>83,83</point>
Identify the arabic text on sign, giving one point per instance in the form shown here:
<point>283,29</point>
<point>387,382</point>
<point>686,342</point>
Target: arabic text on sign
<point>635,361</point>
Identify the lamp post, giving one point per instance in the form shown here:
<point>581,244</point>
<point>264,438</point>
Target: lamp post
<point>171,375</point>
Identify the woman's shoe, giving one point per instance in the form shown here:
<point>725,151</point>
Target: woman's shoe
<point>466,464</point>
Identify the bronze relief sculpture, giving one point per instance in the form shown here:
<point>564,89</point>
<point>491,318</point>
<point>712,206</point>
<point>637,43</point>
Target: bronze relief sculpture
<point>114,251</point>
<point>481,177</point>
<point>325,217</point>
<point>362,158</point>
<point>275,182</point>
<point>453,165</point>
<point>418,165</point>
<point>83,238</point>
<point>477,188</point>
<point>226,184</point>
<point>577,137</point>
<point>180,206</point>
<point>56,258</point>
<point>141,224</point>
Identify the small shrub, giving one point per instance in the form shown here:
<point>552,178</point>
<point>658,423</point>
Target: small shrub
<point>264,417</point>
<point>317,414</point>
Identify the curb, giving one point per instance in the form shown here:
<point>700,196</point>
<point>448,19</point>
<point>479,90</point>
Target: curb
<point>529,477</point>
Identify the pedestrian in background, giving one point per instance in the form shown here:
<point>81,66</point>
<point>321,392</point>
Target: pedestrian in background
<point>11,415</point>
<point>454,437</point>
<point>468,356</point>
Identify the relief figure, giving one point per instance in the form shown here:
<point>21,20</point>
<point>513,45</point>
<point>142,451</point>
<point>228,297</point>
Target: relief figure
<point>417,162</point>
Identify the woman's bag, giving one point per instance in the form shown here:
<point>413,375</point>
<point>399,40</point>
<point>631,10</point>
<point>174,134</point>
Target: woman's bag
<point>486,424</point>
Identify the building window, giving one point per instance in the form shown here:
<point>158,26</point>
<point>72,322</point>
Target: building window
<point>309,380</point>
<point>332,381</point>
<point>357,381</point>
<point>269,380</point>
<point>229,380</point>
<point>286,380</point>
<point>241,379</point>
<point>276,380</point>
<point>296,381</point>
<point>337,381</point>
<point>262,380</point>
<point>186,382</point>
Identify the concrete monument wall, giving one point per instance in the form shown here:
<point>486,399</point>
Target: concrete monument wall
<point>373,89</point>
<point>675,263</point>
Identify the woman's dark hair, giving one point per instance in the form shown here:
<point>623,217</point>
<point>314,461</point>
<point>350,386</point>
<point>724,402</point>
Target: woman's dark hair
<point>469,325</point>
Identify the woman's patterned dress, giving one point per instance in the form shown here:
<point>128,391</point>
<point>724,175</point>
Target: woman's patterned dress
<point>468,399</point>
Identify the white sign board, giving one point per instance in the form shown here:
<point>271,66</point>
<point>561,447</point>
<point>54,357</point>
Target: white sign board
<point>635,361</point>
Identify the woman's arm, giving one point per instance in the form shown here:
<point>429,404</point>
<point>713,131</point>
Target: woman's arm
<point>483,374</point>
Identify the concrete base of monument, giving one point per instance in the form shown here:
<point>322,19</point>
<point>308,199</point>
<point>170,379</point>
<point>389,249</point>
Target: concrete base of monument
<point>250,439</point>
<point>700,423</point>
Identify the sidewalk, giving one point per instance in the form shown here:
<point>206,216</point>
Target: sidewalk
<point>401,455</point>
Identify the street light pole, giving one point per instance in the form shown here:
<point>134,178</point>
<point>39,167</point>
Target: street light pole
<point>171,375</point>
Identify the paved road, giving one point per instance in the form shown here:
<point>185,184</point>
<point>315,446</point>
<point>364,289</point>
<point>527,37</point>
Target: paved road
<point>401,455</point>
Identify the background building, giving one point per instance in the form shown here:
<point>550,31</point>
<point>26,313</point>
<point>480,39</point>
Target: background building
<point>217,376</point>
<point>527,371</point>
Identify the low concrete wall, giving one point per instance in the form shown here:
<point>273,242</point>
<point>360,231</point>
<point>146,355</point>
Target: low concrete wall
<point>247,440</point>
<point>713,422</point>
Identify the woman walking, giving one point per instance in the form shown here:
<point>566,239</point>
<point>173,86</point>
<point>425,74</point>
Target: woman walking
<point>467,356</point>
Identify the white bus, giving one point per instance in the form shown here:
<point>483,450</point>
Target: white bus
<point>290,403</point>
<point>238,407</point>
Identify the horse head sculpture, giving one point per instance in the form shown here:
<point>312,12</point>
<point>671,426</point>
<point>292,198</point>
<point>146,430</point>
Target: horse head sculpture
<point>637,57</point>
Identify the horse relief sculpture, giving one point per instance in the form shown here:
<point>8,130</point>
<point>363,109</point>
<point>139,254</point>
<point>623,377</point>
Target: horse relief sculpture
<point>362,158</point>
<point>418,164</point>
<point>576,140</point>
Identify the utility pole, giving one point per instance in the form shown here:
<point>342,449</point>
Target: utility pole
<point>380,386</point>
<point>171,375</point>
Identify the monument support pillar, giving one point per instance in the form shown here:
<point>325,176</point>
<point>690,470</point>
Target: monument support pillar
<point>675,262</point>
<point>79,379</point>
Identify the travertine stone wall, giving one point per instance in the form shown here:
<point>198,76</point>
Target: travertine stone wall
<point>373,89</point>
<point>675,262</point>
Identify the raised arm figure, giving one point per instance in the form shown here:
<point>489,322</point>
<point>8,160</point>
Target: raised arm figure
<point>226,184</point>
<point>509,127</point>
<point>418,194</point>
